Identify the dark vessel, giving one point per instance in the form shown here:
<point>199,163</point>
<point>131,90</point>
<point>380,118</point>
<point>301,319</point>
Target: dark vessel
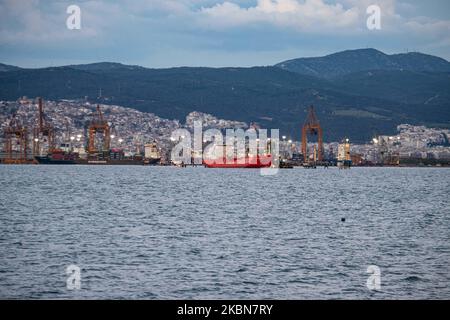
<point>60,157</point>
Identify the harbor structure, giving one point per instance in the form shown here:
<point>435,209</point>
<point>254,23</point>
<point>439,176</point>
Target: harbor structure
<point>43,133</point>
<point>312,127</point>
<point>344,160</point>
<point>16,142</point>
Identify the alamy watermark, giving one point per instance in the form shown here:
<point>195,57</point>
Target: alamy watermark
<point>374,20</point>
<point>374,280</point>
<point>73,281</point>
<point>73,21</point>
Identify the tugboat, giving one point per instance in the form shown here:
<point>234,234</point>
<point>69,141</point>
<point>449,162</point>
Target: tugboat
<point>151,153</point>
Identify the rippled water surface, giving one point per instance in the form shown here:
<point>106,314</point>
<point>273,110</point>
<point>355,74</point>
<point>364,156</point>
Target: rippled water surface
<point>163,232</point>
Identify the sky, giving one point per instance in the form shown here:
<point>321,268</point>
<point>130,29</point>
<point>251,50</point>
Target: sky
<point>213,33</point>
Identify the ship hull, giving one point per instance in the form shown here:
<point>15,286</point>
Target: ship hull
<point>50,161</point>
<point>249,163</point>
<point>237,166</point>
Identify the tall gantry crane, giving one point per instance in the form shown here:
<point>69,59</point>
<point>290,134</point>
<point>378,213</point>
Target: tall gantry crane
<point>16,142</point>
<point>312,127</point>
<point>99,125</point>
<point>43,131</point>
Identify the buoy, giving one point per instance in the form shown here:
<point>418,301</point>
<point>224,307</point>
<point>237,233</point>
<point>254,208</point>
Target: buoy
<point>342,219</point>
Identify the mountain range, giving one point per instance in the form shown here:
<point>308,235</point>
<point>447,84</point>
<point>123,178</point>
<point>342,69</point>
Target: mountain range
<point>350,61</point>
<point>356,93</point>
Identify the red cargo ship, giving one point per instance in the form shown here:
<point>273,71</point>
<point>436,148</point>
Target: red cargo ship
<point>263,161</point>
<point>217,157</point>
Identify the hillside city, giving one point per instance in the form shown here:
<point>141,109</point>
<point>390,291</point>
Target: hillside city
<point>131,129</point>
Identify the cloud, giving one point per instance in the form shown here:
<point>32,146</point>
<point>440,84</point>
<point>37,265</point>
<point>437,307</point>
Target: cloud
<point>174,32</point>
<point>308,16</point>
<point>34,21</point>
<point>427,28</point>
<point>315,16</point>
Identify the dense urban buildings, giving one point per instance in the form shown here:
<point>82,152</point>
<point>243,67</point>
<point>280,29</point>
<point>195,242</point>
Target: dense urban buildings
<point>130,129</point>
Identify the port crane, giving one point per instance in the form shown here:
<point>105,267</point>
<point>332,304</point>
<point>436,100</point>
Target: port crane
<point>16,142</point>
<point>312,127</point>
<point>99,125</point>
<point>43,131</point>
